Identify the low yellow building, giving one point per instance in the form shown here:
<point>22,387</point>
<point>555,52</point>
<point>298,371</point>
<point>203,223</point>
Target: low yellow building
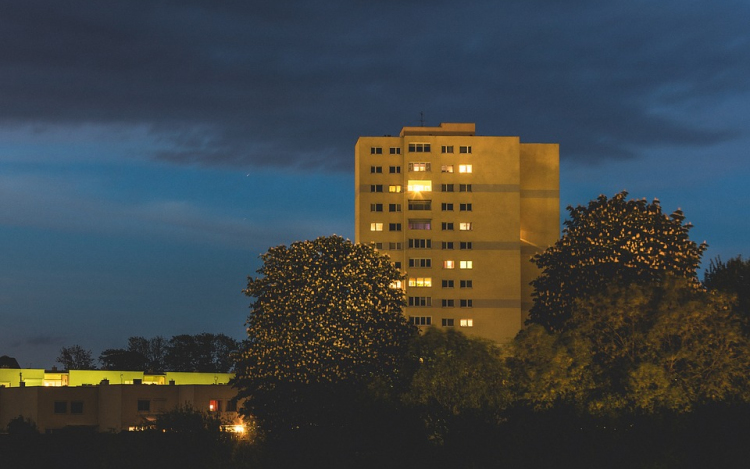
<point>110,401</point>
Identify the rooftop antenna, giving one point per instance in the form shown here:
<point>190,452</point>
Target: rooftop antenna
<point>421,118</point>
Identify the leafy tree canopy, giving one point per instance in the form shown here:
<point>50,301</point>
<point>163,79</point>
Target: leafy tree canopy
<point>610,240</point>
<point>731,277</point>
<point>642,347</point>
<point>324,317</point>
<point>75,357</point>
<point>120,359</point>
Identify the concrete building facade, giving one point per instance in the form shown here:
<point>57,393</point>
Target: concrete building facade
<point>461,215</point>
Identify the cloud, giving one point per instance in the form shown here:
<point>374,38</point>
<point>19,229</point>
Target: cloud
<point>40,340</point>
<point>273,84</point>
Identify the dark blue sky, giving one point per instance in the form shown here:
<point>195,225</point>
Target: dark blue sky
<point>149,151</point>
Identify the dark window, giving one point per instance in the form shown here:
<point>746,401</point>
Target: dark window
<point>465,207</point>
<point>447,226</point>
<point>467,303</point>
<point>447,244</point>
<point>420,301</point>
<point>61,407</point>
<point>376,188</point>
<point>394,207</point>
<point>376,169</point>
<point>397,264</point>
<point>376,207</point>
<point>76,407</point>
<point>464,149</point>
<point>448,283</point>
<point>376,150</point>
<point>420,262</point>
<point>446,207</point>
<point>420,205</point>
<point>467,283</point>
<point>394,226</point>
<point>231,405</point>
<point>395,151</point>
<point>144,405</point>
<point>394,169</point>
<point>446,187</point>
<point>420,243</point>
<point>464,187</point>
<point>378,245</point>
<point>421,320</point>
<point>448,303</point>
<point>419,147</point>
<point>446,149</point>
<point>395,246</point>
<point>448,322</point>
<point>465,245</point>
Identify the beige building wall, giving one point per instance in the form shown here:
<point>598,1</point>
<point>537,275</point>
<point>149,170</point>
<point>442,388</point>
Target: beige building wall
<point>478,208</point>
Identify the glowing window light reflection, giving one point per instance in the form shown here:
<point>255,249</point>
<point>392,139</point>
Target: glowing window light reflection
<point>417,185</point>
<point>420,282</point>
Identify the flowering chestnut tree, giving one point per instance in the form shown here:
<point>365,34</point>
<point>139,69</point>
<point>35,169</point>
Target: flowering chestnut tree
<point>612,240</point>
<point>325,316</point>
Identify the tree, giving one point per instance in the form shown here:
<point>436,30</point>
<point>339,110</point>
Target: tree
<point>120,359</point>
<point>326,322</point>
<point>732,277</point>
<point>644,348</point>
<point>201,352</point>
<point>610,240</point>
<point>75,358</point>
<point>458,381</point>
<point>153,349</point>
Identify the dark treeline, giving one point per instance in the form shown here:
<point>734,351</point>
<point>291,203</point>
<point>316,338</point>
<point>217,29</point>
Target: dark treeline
<point>200,352</point>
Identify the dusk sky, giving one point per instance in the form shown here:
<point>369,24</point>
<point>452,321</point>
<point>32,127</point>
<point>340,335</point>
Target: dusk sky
<point>151,150</point>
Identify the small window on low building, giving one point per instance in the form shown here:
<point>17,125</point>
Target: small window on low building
<point>61,407</point>
<point>214,405</point>
<point>76,407</point>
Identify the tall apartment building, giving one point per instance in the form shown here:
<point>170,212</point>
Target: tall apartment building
<point>461,215</point>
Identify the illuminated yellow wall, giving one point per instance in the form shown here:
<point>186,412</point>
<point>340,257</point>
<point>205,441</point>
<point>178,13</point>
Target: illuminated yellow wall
<point>11,377</point>
<point>515,213</point>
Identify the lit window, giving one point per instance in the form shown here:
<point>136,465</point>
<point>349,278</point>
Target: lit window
<point>420,282</point>
<point>419,147</point>
<point>446,149</point>
<point>394,169</point>
<point>395,151</point>
<point>449,264</point>
<point>419,167</point>
<point>376,150</point>
<point>376,188</point>
<point>467,303</point>
<point>448,322</point>
<point>418,243</point>
<point>420,224</point>
<point>76,407</point>
<point>464,168</point>
<point>420,186</point>
<point>446,168</point>
<point>446,187</point>
<point>376,169</point>
<point>466,265</point>
<point>61,407</point>
<point>420,262</point>
<point>420,301</point>
<point>448,303</point>
<point>144,405</point>
<point>446,207</point>
<point>464,149</point>
<point>467,283</point>
<point>448,283</point>
<point>420,205</point>
<point>421,320</point>
<point>464,207</point>
<point>395,246</point>
<point>394,188</point>
<point>394,226</point>
<point>376,207</point>
<point>466,322</point>
<point>447,244</point>
<point>394,207</point>
<point>464,187</point>
<point>396,284</point>
<point>464,226</point>
<point>376,227</point>
<point>214,405</point>
<point>447,226</point>
<point>465,245</point>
